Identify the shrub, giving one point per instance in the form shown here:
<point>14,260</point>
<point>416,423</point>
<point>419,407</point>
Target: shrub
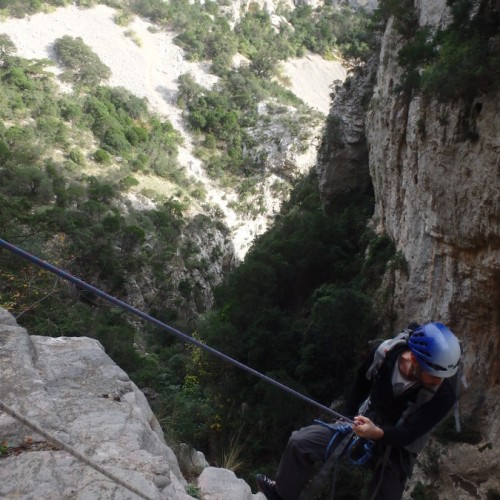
<point>5,153</point>
<point>128,182</point>
<point>101,156</point>
<point>76,156</point>
<point>133,235</point>
<point>18,77</point>
<point>70,110</point>
<point>455,62</point>
<point>114,140</point>
<point>123,18</point>
<point>139,162</point>
<point>7,46</point>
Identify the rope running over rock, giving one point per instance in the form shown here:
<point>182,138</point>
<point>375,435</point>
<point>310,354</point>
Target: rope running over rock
<point>63,446</point>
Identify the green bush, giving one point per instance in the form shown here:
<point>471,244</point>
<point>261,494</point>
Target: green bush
<point>18,77</point>
<point>7,46</point>
<point>455,62</point>
<point>5,153</point>
<point>52,129</point>
<point>115,141</point>
<point>102,156</point>
<point>76,156</point>
<point>82,65</point>
<point>331,30</point>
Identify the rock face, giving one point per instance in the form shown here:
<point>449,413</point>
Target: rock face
<point>343,155</point>
<point>437,196</point>
<point>72,390</point>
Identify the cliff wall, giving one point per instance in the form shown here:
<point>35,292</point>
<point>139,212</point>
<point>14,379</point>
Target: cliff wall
<point>437,198</point>
<point>437,193</point>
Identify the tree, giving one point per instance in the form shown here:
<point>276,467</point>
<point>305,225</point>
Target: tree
<point>7,46</point>
<point>82,65</point>
<point>264,62</point>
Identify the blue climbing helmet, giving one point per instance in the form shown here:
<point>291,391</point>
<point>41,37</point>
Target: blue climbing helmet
<point>436,348</point>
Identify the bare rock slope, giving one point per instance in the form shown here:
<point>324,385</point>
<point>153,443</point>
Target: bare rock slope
<point>73,391</point>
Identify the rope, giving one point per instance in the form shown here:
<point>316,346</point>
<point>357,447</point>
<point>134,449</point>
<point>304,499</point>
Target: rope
<point>186,338</point>
<point>72,451</point>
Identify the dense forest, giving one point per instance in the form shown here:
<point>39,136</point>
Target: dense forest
<point>300,308</point>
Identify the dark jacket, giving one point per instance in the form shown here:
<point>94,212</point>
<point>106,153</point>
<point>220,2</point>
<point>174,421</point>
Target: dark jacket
<point>386,410</point>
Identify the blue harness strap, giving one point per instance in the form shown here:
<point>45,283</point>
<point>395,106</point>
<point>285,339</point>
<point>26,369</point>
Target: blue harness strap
<point>338,431</point>
<point>341,435</point>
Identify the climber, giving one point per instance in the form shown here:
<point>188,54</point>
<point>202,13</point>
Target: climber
<point>407,390</point>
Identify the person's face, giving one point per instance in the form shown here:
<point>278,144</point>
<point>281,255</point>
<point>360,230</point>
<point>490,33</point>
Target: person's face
<point>426,379</point>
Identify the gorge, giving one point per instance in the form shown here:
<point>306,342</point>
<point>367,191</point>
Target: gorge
<point>433,166</point>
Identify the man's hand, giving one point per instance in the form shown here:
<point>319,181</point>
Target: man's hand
<point>365,428</point>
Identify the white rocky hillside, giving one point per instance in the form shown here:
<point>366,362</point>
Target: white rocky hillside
<point>150,69</point>
<point>73,391</point>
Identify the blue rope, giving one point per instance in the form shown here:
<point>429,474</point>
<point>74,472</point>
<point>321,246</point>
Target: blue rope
<point>186,338</point>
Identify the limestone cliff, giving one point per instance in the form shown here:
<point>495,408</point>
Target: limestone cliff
<point>437,197</point>
<point>73,391</point>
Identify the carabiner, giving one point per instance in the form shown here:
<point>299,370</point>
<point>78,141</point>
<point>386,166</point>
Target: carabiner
<point>354,448</point>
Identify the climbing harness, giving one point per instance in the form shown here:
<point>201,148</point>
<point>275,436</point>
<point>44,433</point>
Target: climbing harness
<point>359,450</point>
<point>338,431</point>
<point>341,437</point>
<point>75,453</point>
<point>186,338</point>
<point>343,443</point>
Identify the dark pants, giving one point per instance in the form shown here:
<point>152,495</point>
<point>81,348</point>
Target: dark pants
<point>306,447</point>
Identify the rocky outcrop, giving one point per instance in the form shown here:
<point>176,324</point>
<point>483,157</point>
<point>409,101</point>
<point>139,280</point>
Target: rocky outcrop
<point>74,392</point>
<point>343,156</point>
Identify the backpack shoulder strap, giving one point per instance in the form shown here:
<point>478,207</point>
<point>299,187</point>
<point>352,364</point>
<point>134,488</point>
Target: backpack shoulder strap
<point>384,347</point>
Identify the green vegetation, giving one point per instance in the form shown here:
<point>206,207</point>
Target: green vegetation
<point>4,448</point>
<point>61,199</point>
<point>82,65</point>
<point>332,31</point>
<point>298,309</point>
<point>205,32</point>
<point>456,62</point>
<point>193,490</point>
<point>294,310</point>
<point>225,119</point>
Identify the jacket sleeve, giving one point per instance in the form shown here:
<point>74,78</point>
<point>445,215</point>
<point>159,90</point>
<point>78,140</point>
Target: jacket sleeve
<point>422,420</point>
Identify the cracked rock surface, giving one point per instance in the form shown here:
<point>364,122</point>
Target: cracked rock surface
<point>71,389</point>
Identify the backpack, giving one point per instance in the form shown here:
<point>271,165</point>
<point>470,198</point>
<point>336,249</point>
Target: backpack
<point>457,381</point>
